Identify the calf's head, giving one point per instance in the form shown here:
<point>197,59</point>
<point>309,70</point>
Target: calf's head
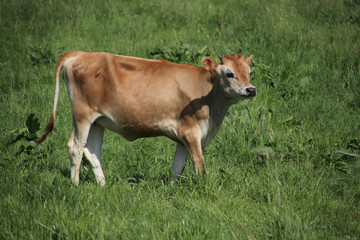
<point>234,75</point>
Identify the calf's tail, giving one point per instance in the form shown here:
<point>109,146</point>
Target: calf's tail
<point>51,122</point>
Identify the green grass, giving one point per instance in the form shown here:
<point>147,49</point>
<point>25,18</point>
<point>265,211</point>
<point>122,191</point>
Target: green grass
<point>283,166</point>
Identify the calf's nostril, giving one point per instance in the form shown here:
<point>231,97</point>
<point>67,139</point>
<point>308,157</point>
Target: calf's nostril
<point>251,91</point>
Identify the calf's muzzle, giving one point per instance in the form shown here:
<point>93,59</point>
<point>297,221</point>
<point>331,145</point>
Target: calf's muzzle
<point>251,91</point>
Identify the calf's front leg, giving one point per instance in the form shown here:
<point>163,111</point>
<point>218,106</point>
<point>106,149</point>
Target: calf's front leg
<point>181,154</point>
<point>194,149</point>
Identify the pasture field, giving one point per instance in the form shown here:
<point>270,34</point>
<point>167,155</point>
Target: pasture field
<point>284,165</point>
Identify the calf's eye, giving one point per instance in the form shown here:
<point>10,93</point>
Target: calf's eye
<point>229,75</point>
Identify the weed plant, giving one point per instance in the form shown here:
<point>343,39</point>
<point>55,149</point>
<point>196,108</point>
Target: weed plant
<point>284,165</point>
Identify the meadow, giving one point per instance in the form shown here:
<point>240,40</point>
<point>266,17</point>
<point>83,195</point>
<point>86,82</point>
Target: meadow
<point>285,165</point>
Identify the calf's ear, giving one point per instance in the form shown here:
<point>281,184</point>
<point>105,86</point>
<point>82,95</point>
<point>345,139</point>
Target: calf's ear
<point>209,63</point>
<point>248,60</point>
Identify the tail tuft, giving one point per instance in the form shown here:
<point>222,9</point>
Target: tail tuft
<point>47,130</point>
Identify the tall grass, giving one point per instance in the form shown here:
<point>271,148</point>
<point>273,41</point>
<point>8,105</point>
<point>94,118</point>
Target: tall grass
<point>283,166</point>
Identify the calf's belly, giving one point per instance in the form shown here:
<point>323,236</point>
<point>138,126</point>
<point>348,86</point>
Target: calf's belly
<point>133,131</point>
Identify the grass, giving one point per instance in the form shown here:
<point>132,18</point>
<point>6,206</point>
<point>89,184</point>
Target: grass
<point>283,166</point>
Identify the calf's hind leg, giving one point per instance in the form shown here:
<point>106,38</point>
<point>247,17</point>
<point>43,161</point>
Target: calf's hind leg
<point>76,146</point>
<point>92,151</point>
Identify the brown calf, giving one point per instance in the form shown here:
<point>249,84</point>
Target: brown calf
<point>138,98</point>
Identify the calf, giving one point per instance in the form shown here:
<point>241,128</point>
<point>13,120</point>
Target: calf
<point>139,98</point>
